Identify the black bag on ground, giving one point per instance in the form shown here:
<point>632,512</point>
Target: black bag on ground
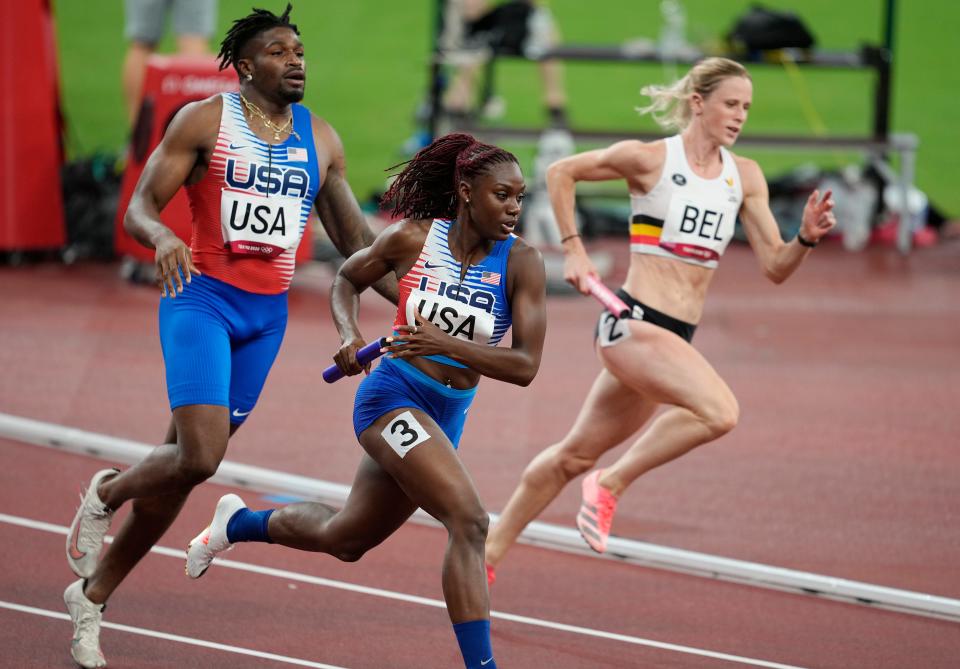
<point>762,29</point>
<point>91,190</point>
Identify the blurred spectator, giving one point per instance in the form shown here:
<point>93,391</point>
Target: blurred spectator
<point>193,23</point>
<point>477,30</point>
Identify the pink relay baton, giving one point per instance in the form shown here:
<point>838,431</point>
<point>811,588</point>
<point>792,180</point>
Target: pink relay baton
<point>607,298</point>
<point>365,355</point>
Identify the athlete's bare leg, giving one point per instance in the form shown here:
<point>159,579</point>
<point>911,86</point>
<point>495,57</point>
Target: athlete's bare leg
<point>159,485</point>
<point>611,413</point>
<point>660,365</point>
<point>375,509</point>
<point>386,491</point>
<point>202,432</point>
<point>651,367</point>
<point>148,520</point>
<point>433,477</point>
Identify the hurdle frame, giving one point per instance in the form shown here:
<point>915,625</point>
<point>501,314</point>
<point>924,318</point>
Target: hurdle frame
<point>876,146</point>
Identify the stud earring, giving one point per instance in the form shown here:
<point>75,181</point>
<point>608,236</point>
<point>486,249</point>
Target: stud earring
<point>249,77</point>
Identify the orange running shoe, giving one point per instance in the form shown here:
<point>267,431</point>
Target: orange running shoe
<point>596,512</point>
<point>491,575</point>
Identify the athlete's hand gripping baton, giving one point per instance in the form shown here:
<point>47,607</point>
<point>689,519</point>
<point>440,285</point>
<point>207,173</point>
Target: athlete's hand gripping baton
<point>365,355</point>
<point>607,298</point>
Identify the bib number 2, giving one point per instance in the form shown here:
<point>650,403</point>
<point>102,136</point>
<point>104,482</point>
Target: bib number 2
<point>613,330</point>
<point>403,433</point>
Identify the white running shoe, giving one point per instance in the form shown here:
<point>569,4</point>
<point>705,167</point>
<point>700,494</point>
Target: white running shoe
<point>86,616</point>
<point>89,527</point>
<point>213,540</point>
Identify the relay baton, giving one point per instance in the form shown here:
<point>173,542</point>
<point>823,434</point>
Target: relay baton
<point>607,298</point>
<point>365,355</point>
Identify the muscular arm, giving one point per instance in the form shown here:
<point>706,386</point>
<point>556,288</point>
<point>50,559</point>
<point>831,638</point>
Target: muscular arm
<point>191,132</point>
<point>778,259</point>
<point>527,290</point>
<point>338,209</point>
<point>368,267</point>
<point>623,160</point>
<point>630,160</point>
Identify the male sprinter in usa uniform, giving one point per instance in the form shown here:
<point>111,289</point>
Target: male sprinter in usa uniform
<point>685,193</point>
<point>253,164</point>
<point>465,279</point>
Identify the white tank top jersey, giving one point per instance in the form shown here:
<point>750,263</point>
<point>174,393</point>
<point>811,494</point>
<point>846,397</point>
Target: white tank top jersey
<point>475,309</point>
<point>687,217</point>
<point>251,207</point>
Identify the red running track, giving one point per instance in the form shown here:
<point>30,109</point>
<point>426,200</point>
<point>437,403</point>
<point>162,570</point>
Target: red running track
<point>844,464</point>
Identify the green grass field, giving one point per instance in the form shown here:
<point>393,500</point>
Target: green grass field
<point>368,73</point>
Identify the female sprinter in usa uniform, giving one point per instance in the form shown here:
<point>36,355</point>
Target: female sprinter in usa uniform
<point>685,194</point>
<point>464,278</point>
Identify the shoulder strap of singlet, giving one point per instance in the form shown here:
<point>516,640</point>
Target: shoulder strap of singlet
<point>503,252</point>
<point>674,158</point>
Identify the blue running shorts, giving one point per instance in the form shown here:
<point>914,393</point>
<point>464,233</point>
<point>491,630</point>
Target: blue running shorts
<point>396,384</point>
<point>219,343</point>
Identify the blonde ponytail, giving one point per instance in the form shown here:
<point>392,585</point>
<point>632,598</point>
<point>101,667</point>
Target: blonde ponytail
<point>670,105</point>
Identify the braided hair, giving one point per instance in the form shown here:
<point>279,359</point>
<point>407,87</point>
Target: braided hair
<point>427,186</point>
<point>245,29</point>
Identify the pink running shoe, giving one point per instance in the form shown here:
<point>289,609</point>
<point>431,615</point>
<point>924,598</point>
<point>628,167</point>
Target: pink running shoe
<point>491,575</point>
<point>596,512</point>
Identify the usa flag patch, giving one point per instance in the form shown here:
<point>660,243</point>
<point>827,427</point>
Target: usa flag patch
<point>296,153</point>
<point>493,278</point>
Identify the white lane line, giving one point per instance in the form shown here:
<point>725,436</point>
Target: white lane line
<point>174,637</point>
<point>423,601</point>
<point>544,535</point>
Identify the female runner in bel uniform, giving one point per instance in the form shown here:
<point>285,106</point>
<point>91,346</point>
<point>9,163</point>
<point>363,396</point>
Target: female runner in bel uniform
<point>464,280</point>
<point>685,194</point>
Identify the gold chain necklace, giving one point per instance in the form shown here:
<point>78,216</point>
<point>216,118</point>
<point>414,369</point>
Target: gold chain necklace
<point>277,129</point>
